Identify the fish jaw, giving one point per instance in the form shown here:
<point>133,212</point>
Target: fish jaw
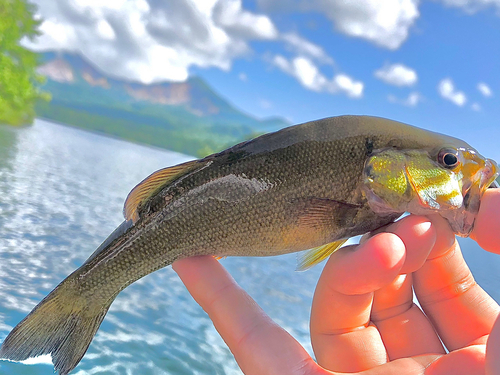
<point>413,181</point>
<point>462,220</point>
<point>489,174</point>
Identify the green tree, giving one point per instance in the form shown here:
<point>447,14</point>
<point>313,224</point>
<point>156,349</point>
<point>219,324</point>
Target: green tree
<point>19,82</point>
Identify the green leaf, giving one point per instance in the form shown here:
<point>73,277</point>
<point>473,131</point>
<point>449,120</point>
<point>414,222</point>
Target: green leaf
<point>19,81</point>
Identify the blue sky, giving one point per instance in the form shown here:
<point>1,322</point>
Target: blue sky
<point>434,64</point>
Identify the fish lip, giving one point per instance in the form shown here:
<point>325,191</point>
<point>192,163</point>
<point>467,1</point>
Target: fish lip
<point>463,219</point>
<point>472,198</point>
<point>489,174</point>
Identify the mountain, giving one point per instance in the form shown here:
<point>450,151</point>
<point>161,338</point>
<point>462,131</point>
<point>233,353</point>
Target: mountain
<point>188,117</point>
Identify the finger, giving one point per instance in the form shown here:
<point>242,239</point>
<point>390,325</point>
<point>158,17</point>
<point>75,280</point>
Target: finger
<point>493,350</point>
<point>405,366</point>
<point>342,338</point>
<point>418,236</point>
<point>460,310</point>
<point>404,329</point>
<point>411,226</point>
<point>445,238</point>
<point>487,225</point>
<point>259,345</point>
<point>465,361</point>
<point>356,270</point>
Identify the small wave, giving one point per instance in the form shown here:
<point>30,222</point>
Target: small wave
<point>45,359</point>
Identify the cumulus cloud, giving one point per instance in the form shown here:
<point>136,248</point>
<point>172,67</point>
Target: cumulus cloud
<point>397,75</point>
<point>230,15</point>
<point>301,46</point>
<point>308,74</point>
<point>484,89</point>
<point>448,91</point>
<point>151,40</point>
<point>385,23</point>
<point>473,6</point>
<point>411,101</point>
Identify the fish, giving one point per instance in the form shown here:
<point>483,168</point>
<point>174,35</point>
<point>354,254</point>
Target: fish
<point>308,186</point>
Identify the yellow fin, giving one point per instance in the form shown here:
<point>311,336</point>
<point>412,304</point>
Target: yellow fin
<point>152,184</point>
<point>314,256</point>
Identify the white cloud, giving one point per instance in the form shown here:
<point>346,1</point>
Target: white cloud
<point>149,40</point>
<point>230,15</point>
<point>304,70</point>
<point>243,77</point>
<point>302,46</point>
<point>411,101</point>
<point>447,90</point>
<point>385,23</point>
<point>308,74</point>
<point>352,88</point>
<point>476,107</point>
<point>473,6</point>
<point>484,89</point>
<point>397,75</point>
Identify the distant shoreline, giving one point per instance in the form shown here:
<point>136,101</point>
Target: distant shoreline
<point>107,135</point>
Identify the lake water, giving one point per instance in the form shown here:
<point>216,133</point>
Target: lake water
<point>62,193</point>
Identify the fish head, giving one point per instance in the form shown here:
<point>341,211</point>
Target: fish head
<point>447,180</point>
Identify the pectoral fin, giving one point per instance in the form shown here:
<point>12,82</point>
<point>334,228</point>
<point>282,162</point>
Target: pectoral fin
<point>314,256</point>
<point>319,212</point>
<point>153,184</point>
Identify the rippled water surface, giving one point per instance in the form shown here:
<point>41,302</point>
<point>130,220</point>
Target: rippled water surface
<point>61,194</point>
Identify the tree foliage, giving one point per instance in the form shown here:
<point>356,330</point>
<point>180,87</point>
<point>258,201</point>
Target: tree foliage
<point>19,81</point>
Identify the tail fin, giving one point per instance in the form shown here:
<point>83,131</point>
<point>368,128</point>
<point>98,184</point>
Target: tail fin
<point>62,324</point>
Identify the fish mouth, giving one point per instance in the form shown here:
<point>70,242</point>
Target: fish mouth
<point>462,220</point>
<point>489,175</point>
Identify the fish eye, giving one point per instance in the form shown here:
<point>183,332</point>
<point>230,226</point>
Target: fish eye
<point>448,158</point>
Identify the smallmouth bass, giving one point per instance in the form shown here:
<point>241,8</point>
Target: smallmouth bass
<point>308,186</point>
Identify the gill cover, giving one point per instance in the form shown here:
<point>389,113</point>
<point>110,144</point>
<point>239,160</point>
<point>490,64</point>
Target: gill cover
<point>449,181</point>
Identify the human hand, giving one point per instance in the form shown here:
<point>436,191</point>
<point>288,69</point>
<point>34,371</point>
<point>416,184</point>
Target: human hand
<point>363,319</point>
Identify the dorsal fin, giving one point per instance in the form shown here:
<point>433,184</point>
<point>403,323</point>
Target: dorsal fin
<point>314,256</point>
<point>152,184</point>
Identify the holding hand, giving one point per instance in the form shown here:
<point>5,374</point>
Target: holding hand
<point>363,319</point>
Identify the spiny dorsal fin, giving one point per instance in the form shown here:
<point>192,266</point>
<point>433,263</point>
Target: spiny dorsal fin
<point>152,184</point>
<point>314,256</point>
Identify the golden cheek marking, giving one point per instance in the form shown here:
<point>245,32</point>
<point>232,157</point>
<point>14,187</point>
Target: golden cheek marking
<point>449,197</point>
<point>423,178</point>
<point>471,169</point>
<point>386,171</point>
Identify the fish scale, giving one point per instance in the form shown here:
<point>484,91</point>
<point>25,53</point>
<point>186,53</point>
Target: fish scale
<point>312,185</point>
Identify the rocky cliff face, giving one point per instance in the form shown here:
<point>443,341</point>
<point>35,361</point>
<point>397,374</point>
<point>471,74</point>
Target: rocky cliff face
<point>58,70</point>
<point>170,94</point>
<point>193,95</point>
